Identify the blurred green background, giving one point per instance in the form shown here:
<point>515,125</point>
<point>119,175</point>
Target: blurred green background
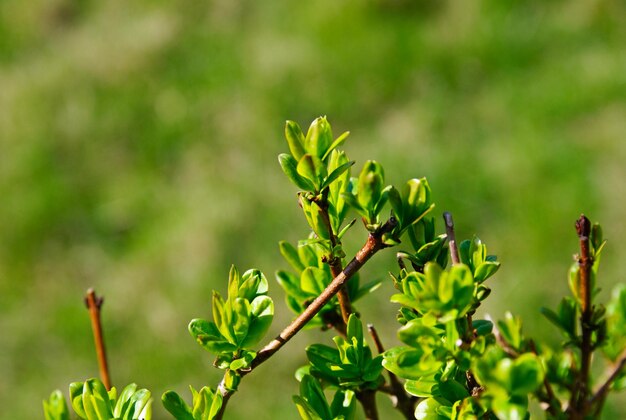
<point>138,145</point>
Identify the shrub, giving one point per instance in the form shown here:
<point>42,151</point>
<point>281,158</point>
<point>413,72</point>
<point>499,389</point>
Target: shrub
<point>450,365</point>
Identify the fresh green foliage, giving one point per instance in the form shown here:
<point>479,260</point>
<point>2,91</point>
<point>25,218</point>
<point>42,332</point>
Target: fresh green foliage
<point>239,322</point>
<point>350,365</point>
<point>91,401</point>
<point>451,364</point>
<point>312,275</point>
<point>312,404</point>
<point>205,404</point>
<point>55,407</point>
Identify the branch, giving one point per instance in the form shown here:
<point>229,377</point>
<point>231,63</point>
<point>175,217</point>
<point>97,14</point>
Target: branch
<point>600,395</point>
<point>401,401</point>
<point>335,263</point>
<point>585,262</point>
<point>367,398</point>
<point>372,246</point>
<point>94,303</point>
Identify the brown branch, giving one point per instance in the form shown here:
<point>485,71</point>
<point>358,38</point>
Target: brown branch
<point>367,398</point>
<point>454,249</point>
<point>335,263</point>
<point>94,303</point>
<point>372,246</point>
<point>581,391</point>
<point>401,401</point>
<point>600,395</point>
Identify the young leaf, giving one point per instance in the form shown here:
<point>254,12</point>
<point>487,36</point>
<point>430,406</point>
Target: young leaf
<point>313,169</point>
<point>262,314</point>
<point>336,174</point>
<point>76,399</point>
<point>290,168</point>
<point>338,142</point>
<point>510,329</point>
<point>295,139</point>
<point>176,406</point>
<point>343,405</point>
<point>55,407</point>
<point>319,137</point>
<point>312,393</point>
<point>314,280</point>
<point>290,253</point>
<point>208,336</point>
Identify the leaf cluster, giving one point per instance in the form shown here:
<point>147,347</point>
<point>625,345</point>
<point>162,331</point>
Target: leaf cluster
<point>91,401</point>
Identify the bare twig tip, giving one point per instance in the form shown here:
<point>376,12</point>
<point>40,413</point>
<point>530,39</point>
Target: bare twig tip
<point>583,226</point>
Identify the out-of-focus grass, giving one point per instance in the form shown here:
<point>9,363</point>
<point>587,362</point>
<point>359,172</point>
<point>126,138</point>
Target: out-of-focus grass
<point>138,149</point>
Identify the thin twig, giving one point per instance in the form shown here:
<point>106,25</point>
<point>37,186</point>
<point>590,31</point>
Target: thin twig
<point>401,401</point>
<point>599,396</point>
<point>367,398</point>
<point>454,249</point>
<point>94,304</point>
<point>334,262</point>
<point>372,246</point>
<point>585,262</point>
<point>468,337</point>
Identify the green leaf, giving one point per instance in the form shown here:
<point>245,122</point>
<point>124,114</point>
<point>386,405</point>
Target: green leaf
<point>338,142</point>
<point>221,317</point>
<point>304,409</point>
<point>176,406</point>
<point>416,201</point>
<point>216,405</point>
<point>124,401</point>
<point>428,409</point>
<point>322,356</point>
<point>574,281</point>
<point>141,406</point>
<point>343,405</point>
<point>308,256</point>
<point>486,270</point>
<point>201,403</point>
<point>241,319</point>
<point>422,387</point>
<point>355,329</point>
<point>208,336</point>
<point>452,390</point>
<point>482,326</point>
<point>233,283</point>
<point>313,169</point>
<point>295,139</point>
<point>291,285</point>
<point>336,174</point>
<point>411,363</point>
<point>262,311</point>
<point>252,284</point>
<point>96,400</point>
<point>290,253</point>
<point>510,329</point>
<point>370,188</point>
<point>55,407</point>
<point>510,408</point>
<point>319,137</point>
<point>311,391</point>
<point>314,280</point>
<point>290,167</point>
<point>76,399</point>
<point>526,375</point>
